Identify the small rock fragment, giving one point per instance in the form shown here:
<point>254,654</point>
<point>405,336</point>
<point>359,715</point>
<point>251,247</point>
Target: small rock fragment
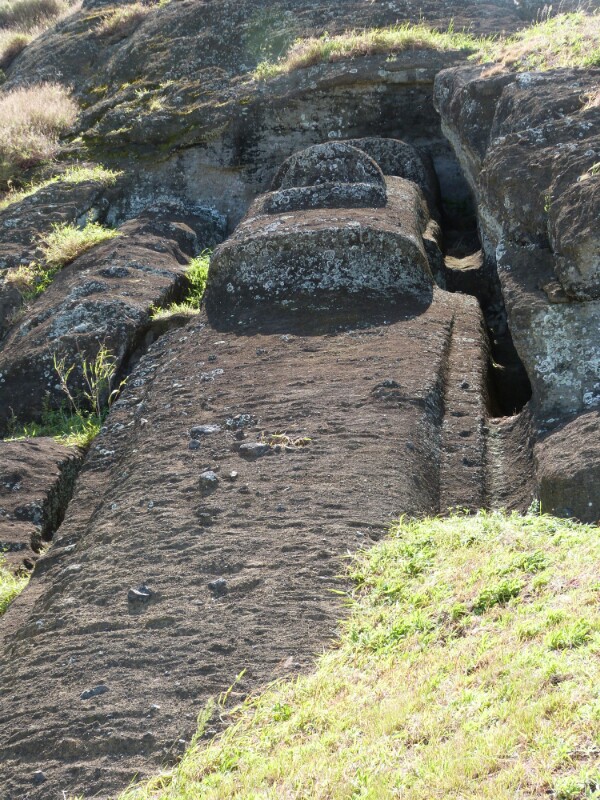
<point>208,480</point>
<point>212,358</point>
<point>97,690</point>
<point>39,777</point>
<point>253,450</point>
<point>203,430</point>
<point>218,587</point>
<point>194,444</point>
<point>140,595</point>
<point>232,476</point>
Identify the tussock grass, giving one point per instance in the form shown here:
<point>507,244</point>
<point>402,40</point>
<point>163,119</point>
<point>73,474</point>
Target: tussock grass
<point>469,668</point>
<point>27,14</point>
<point>196,275</point>
<point>73,175</point>
<point>31,122</point>
<point>12,43</point>
<point>566,40</point>
<point>67,242</point>
<point>22,21</point>
<point>10,585</point>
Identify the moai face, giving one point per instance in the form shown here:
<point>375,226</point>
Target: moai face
<point>333,230</point>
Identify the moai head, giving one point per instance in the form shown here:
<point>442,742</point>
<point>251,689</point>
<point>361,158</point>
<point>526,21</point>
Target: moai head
<point>334,230</point>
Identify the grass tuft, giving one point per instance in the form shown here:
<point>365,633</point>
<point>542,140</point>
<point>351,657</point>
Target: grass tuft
<point>67,242</point>
<point>432,693</point>
<point>566,40</point>
<point>121,21</point>
<point>68,428</point>
<point>196,275</point>
<point>393,39</point>
<point>10,585</point>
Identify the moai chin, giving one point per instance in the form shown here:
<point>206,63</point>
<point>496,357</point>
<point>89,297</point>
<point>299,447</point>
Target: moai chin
<point>334,230</point>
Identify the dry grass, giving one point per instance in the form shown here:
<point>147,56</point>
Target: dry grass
<point>24,20</point>
<point>469,668</point>
<point>121,21</point>
<point>12,43</point>
<point>31,122</point>
<point>28,14</point>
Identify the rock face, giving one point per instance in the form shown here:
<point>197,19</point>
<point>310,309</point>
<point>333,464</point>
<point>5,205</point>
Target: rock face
<point>36,482</point>
<point>528,144</point>
<point>537,198</point>
<point>104,298</point>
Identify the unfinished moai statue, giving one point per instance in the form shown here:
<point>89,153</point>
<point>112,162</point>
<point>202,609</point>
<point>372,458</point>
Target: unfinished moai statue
<point>388,400</point>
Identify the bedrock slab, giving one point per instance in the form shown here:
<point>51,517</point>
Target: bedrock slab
<point>197,545</point>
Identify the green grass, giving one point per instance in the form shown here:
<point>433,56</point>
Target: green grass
<point>68,428</point>
<point>393,39</point>
<point>196,275</point>
<point>66,242</point>
<point>10,585</point>
<point>469,668</point>
<point>31,280</point>
<point>63,244</point>
<point>566,40</point>
<point>73,175</point>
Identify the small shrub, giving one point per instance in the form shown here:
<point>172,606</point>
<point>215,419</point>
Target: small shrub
<point>122,20</point>
<point>67,242</point>
<point>31,122</point>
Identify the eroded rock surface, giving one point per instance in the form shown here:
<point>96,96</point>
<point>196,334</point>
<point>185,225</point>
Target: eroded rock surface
<point>528,144</point>
<point>36,482</point>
